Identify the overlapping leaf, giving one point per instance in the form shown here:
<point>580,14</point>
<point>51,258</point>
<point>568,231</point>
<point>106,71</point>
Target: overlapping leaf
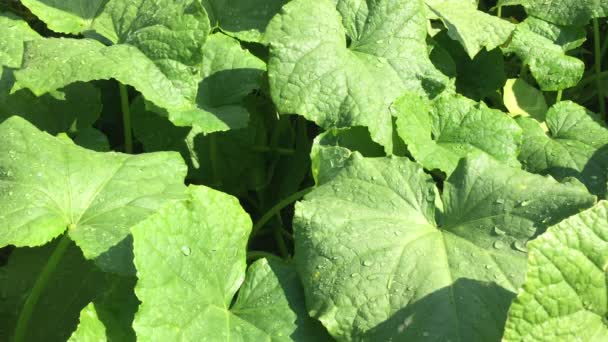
<point>563,12</point>
<point>474,29</point>
<point>156,48</point>
<point>50,185</point>
<point>243,19</point>
<point>190,258</point>
<point>440,132</point>
<point>14,32</point>
<point>316,72</point>
<point>543,46</point>
<point>565,293</point>
<point>576,145</point>
<point>377,264</point>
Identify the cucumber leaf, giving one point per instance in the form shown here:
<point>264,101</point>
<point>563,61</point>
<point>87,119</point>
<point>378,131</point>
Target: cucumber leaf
<point>564,296</point>
<point>190,259</point>
<point>440,132</point>
<point>574,146</point>
<point>50,185</point>
<point>342,63</point>
<point>378,263</point>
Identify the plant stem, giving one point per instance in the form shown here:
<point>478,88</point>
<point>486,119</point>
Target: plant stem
<point>277,208</point>
<point>39,286</point>
<point>277,150</point>
<point>126,117</point>
<point>278,237</point>
<point>499,12</point>
<point>559,96</point>
<point>598,67</point>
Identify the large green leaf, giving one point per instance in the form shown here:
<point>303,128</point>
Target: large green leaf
<point>377,265</point>
<point>576,145</point>
<point>156,48</point>
<point>521,98</point>
<point>316,72</point>
<point>542,47</point>
<point>243,19</point>
<point>190,259</point>
<point>72,284</point>
<point>49,185</point>
<point>474,29</point>
<point>440,132</point>
<point>565,294</point>
<point>14,31</point>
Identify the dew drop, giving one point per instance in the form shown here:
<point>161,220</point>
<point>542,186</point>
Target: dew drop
<point>367,263</point>
<point>499,231</point>
<point>499,244</point>
<point>185,250</point>
<point>500,201</point>
<point>520,246</point>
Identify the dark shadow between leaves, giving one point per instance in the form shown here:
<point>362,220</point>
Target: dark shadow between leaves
<point>467,311</point>
<point>119,258</point>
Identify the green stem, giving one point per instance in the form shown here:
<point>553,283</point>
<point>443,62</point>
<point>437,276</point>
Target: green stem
<point>598,67</point>
<point>499,12</point>
<point>604,48</point>
<point>253,255</point>
<point>126,117</point>
<point>559,96</point>
<point>277,208</point>
<point>278,237</point>
<point>39,286</point>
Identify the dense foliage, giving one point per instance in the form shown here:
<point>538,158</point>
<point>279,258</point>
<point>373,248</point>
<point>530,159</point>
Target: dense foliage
<point>306,170</point>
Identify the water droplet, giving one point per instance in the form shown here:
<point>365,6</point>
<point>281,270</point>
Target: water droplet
<point>499,231</point>
<point>488,267</point>
<point>520,246</point>
<point>185,250</point>
<point>354,275</point>
<point>499,244</point>
<point>500,201</point>
<point>367,263</point>
<point>523,203</point>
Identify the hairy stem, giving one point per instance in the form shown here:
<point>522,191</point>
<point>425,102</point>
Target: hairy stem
<point>559,96</point>
<point>277,208</point>
<point>598,67</point>
<point>278,237</point>
<point>39,287</point>
<point>126,117</point>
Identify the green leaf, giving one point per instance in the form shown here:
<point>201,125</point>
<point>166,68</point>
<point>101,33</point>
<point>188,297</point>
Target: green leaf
<point>564,296</point>
<point>229,73</point>
<point>315,72</point>
<point>440,132</point>
<point>574,146</point>
<point>376,265</point>
<point>14,32</point>
<point>73,109</point>
<point>563,12</point>
<point>333,147</point>
<point>74,283</point>
<point>537,43</point>
<point>66,16</point>
<point>474,29</point>
<point>49,185</point>
<point>245,20</point>
<point>520,98</point>
<point>90,328</point>
<point>190,258</point>
<point>157,49</point>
